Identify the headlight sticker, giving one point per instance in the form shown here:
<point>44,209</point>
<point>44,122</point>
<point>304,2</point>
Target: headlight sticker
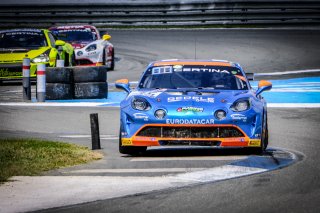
<point>141,116</point>
<point>239,117</point>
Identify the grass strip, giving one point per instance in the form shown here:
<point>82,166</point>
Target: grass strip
<point>28,157</point>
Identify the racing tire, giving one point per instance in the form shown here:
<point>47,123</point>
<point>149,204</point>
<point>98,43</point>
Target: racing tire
<point>112,61</point>
<point>130,150</point>
<point>73,59</point>
<point>264,141</point>
<point>58,75</point>
<point>59,91</point>
<point>68,62</point>
<point>90,74</point>
<point>91,90</point>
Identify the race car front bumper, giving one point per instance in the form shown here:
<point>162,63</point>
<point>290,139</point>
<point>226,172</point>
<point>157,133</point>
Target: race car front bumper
<point>219,135</point>
<point>14,70</point>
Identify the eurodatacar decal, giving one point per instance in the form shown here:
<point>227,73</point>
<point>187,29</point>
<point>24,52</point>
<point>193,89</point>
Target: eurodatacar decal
<point>190,121</point>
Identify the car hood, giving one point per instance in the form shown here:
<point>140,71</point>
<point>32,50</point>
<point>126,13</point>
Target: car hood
<point>79,44</point>
<point>17,54</point>
<point>190,100</point>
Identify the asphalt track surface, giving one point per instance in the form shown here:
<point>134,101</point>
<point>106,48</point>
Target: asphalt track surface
<point>291,189</point>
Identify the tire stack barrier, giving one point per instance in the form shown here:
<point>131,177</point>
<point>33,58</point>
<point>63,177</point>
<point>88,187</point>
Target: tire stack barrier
<point>59,83</point>
<point>76,83</point>
<point>90,82</point>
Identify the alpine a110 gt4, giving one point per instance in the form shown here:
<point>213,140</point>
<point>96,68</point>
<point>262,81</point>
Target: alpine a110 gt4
<point>193,103</point>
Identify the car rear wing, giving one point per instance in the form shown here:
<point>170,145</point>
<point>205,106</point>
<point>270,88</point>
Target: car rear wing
<point>250,76</point>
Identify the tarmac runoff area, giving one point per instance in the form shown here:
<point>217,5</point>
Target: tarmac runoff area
<point>27,193</point>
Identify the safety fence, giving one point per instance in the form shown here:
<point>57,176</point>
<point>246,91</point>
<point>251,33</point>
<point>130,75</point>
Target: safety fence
<point>162,13</point>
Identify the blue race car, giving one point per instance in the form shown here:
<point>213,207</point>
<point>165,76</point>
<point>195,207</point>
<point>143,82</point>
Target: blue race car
<point>193,103</point>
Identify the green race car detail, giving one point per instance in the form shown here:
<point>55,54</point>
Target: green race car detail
<point>37,44</point>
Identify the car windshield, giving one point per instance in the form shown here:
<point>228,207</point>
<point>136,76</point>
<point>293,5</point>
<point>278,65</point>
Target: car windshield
<point>178,76</point>
<point>22,39</point>
<point>75,35</point>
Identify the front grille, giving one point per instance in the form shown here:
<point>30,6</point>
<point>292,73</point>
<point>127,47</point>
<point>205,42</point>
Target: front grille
<point>190,132</point>
<point>188,143</point>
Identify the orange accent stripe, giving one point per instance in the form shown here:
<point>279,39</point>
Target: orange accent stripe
<point>225,142</point>
<point>207,63</point>
<point>241,77</point>
<point>192,125</point>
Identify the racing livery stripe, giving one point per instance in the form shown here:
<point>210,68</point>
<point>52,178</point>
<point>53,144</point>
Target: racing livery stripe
<point>209,63</point>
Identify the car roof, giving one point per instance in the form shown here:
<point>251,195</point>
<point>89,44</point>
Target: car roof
<point>212,62</point>
<point>72,27</point>
<point>24,29</point>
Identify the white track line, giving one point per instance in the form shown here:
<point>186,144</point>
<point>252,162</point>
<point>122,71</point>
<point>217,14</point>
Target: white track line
<point>293,105</point>
<point>288,72</point>
<point>117,171</point>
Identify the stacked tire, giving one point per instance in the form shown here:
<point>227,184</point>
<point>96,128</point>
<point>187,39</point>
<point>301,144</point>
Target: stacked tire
<point>59,83</point>
<point>90,82</point>
<point>76,83</point>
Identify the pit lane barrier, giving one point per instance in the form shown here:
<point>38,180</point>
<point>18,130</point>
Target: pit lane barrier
<point>109,13</point>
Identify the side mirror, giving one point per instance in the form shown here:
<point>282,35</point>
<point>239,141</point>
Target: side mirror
<point>263,86</point>
<point>123,84</point>
<point>60,43</point>
<point>106,37</point>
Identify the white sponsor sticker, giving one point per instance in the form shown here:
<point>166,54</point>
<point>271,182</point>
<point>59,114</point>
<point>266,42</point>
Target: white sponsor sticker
<point>141,116</point>
<point>190,121</point>
<point>161,70</point>
<point>193,98</point>
<point>239,117</point>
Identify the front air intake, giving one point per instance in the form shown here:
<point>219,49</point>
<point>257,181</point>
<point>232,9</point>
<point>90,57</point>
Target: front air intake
<point>190,132</point>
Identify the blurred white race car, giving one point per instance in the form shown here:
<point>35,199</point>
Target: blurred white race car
<point>90,48</point>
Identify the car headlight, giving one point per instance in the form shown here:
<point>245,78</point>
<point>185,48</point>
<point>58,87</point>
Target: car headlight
<point>41,59</point>
<point>160,113</point>
<point>220,114</point>
<point>79,53</point>
<point>241,105</point>
<point>92,47</point>
<point>140,104</point>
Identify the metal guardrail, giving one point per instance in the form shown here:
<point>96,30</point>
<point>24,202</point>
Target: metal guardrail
<point>162,13</point>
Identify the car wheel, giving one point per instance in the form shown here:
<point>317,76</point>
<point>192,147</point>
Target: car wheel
<point>66,60</point>
<point>72,60</point>
<point>264,140</point>
<point>130,150</point>
<point>112,60</point>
